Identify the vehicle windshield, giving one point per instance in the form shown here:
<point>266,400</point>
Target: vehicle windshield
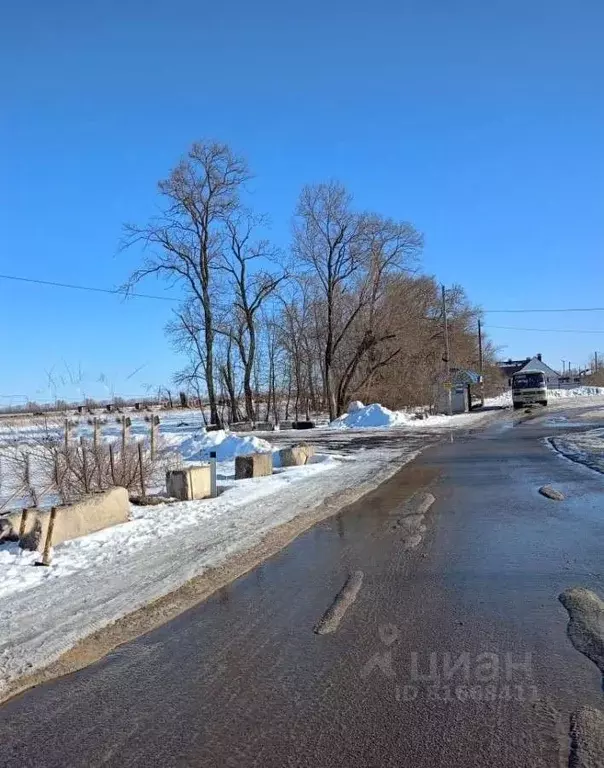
<point>529,381</point>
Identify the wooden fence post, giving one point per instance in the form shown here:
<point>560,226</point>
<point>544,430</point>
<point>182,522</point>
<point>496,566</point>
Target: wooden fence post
<point>24,514</point>
<point>85,466</point>
<point>48,543</point>
<point>112,463</point>
<point>142,472</point>
<point>123,437</point>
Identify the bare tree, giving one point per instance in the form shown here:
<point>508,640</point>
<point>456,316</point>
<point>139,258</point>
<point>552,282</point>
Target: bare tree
<point>185,242</point>
<point>251,286</point>
<point>351,255</point>
<point>326,234</point>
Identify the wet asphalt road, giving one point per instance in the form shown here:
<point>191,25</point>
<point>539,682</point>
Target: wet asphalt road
<point>242,680</point>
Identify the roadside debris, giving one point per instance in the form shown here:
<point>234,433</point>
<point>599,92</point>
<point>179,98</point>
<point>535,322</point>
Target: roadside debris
<point>332,617</point>
<point>551,493</point>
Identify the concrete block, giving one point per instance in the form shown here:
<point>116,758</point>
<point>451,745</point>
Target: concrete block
<point>94,513</point>
<point>296,456</point>
<point>255,465</point>
<point>189,483</point>
<point>264,426</point>
<point>241,426</point>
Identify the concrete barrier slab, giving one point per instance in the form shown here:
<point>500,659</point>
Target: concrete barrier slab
<point>94,513</point>
<point>189,483</point>
<point>296,456</point>
<point>255,465</point>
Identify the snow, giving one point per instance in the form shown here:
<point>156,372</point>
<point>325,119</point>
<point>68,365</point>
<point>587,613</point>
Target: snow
<point>197,447</point>
<point>377,416</point>
<point>142,530</point>
<point>185,442</point>
<point>354,406</point>
<point>575,392</point>
<point>367,416</point>
<point>585,448</point>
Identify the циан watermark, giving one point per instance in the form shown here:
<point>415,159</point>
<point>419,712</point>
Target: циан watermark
<point>446,676</point>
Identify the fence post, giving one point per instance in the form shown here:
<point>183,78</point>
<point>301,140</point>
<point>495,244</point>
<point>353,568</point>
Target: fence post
<point>26,472</point>
<point>85,466</point>
<point>48,543</point>
<point>213,490</point>
<point>152,437</point>
<point>142,472</point>
<point>112,463</point>
<point>95,434</point>
<point>27,481</point>
<point>66,436</point>
<point>24,514</point>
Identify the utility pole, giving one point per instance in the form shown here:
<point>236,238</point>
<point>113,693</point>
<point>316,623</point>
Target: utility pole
<point>480,362</point>
<point>596,361</point>
<point>446,329</point>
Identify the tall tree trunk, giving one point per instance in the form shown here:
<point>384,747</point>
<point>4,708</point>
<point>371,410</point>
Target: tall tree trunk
<point>229,382</point>
<point>247,374</point>
<point>289,392</point>
<point>330,395</point>
<point>209,348</point>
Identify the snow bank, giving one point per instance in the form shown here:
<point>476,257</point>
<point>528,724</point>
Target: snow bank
<point>197,447</point>
<point>354,406</point>
<point>368,416</point>
<point>575,392</point>
<point>552,394</point>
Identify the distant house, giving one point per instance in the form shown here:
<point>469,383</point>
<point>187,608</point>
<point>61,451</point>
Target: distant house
<point>510,367</point>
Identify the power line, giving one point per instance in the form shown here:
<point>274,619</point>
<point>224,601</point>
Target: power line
<point>114,292</point>
<point>544,330</point>
<point>128,294</point>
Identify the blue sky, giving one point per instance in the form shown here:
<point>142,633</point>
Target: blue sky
<point>481,122</point>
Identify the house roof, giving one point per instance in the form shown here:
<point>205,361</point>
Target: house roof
<point>510,367</point>
<point>535,364</point>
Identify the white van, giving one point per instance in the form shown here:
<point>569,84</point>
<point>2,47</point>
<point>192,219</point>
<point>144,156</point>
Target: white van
<point>528,388</point>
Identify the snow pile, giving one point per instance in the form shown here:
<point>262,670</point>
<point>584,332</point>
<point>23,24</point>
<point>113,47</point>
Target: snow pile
<point>355,405</point>
<point>368,416</point>
<point>575,392</point>
<point>499,401</point>
<point>197,447</point>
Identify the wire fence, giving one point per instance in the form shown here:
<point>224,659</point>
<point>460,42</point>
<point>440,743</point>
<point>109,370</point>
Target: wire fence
<point>54,466</point>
